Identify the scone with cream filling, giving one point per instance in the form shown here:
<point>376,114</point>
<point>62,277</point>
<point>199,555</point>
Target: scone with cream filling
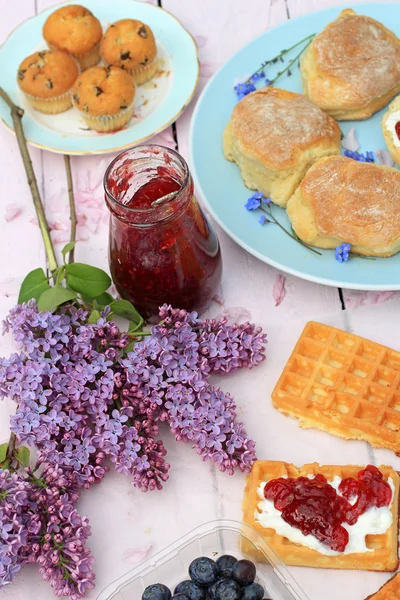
<point>391,129</point>
<point>343,200</point>
<point>352,68</point>
<point>274,136</point>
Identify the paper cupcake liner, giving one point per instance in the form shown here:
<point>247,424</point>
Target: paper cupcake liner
<point>51,106</point>
<point>85,60</point>
<point>142,75</point>
<point>108,123</point>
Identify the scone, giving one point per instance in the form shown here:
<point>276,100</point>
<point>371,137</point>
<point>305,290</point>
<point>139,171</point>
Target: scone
<point>331,517</point>
<point>74,29</point>
<point>104,96</point>
<point>130,45</point>
<point>274,136</point>
<point>46,78</point>
<point>389,591</point>
<point>391,129</point>
<point>352,68</point>
<point>343,200</point>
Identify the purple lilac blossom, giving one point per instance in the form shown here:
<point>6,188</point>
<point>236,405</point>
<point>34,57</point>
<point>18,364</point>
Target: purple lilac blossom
<point>40,524</point>
<point>82,399</point>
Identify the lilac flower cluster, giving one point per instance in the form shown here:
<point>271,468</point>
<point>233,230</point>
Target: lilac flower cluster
<point>82,398</point>
<point>40,524</point>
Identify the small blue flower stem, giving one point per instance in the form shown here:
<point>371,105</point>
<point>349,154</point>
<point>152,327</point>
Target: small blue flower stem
<point>278,75</point>
<point>282,53</point>
<point>269,213</point>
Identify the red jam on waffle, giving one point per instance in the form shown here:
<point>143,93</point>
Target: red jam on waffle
<point>314,506</point>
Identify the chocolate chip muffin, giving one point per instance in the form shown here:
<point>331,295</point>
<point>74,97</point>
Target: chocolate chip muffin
<point>130,45</point>
<point>74,29</point>
<point>104,96</point>
<point>46,78</point>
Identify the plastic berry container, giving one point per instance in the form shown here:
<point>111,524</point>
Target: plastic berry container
<point>213,539</point>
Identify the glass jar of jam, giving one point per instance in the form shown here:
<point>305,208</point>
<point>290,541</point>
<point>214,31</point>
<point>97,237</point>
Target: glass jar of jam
<point>162,247</point>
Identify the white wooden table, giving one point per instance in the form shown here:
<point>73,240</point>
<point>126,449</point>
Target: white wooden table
<point>127,525</point>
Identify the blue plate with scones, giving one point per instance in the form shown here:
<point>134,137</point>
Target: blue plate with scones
<point>298,162</point>
<point>108,110</point>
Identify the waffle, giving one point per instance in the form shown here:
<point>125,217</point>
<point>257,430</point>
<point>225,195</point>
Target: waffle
<point>389,591</point>
<point>383,555</point>
<point>343,384</point>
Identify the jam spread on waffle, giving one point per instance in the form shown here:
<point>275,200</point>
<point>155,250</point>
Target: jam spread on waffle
<point>314,506</point>
<point>397,128</point>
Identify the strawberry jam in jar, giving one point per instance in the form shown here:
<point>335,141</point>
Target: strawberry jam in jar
<point>162,247</point>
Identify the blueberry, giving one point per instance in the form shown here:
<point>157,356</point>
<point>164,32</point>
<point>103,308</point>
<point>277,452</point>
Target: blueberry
<point>157,591</point>
<point>203,571</point>
<point>244,572</point>
<point>225,564</point>
<point>212,590</point>
<point>227,589</point>
<point>180,597</point>
<point>254,591</point>
<point>191,589</point>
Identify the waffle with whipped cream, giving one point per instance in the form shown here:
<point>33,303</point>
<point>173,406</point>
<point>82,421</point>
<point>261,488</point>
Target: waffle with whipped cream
<point>343,384</point>
<point>389,591</point>
<point>379,552</point>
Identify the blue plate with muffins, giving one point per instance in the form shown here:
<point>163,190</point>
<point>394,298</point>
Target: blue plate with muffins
<point>160,95</point>
<point>219,182</point>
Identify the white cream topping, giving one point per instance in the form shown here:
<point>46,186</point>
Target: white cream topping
<point>390,122</point>
<point>374,521</point>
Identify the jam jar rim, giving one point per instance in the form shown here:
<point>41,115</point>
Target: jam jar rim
<point>147,211</point>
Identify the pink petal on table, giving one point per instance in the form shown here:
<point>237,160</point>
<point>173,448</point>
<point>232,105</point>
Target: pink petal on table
<point>136,555</point>
<point>201,40</point>
<point>218,299</point>
<point>12,211</point>
<point>354,299</point>
<point>34,221</point>
<point>350,142</point>
<point>384,157</point>
<point>279,289</point>
<point>59,225</point>
<point>60,238</point>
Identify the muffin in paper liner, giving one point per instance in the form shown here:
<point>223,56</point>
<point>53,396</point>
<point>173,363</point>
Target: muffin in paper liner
<point>144,74</point>
<point>108,123</point>
<point>130,44</point>
<point>104,97</point>
<point>87,59</point>
<point>51,106</point>
<point>75,30</point>
<point>46,78</point>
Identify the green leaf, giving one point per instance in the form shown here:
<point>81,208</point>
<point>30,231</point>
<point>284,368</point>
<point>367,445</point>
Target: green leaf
<point>87,280</point>
<point>67,248</point>
<point>134,326</point>
<point>103,300</point>
<point>3,451</point>
<point>5,465</point>
<point>54,297</point>
<point>124,308</point>
<point>22,455</point>
<point>33,286</point>
<point>94,316</point>
<point>60,275</point>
